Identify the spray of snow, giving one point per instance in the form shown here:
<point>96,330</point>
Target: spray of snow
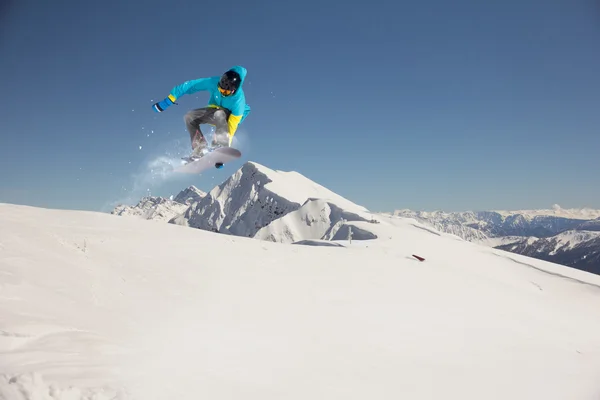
<point>154,172</point>
<point>160,168</point>
<point>241,142</point>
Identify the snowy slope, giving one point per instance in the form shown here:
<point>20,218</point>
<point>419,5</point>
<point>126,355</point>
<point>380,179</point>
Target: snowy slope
<point>95,306</point>
<point>253,197</point>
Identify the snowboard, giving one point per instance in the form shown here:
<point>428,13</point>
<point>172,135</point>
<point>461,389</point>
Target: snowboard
<point>213,159</point>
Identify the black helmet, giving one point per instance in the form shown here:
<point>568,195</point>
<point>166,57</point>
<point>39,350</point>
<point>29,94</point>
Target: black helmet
<point>230,81</point>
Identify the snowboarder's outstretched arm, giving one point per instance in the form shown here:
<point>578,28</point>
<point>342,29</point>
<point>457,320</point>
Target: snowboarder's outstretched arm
<point>193,86</point>
<point>187,87</point>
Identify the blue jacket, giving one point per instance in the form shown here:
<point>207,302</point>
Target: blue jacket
<point>236,103</point>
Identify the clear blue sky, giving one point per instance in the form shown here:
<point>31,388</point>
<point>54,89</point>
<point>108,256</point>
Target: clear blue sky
<point>393,104</point>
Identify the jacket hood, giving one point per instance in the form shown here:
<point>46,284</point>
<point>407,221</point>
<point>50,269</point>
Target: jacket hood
<point>241,71</point>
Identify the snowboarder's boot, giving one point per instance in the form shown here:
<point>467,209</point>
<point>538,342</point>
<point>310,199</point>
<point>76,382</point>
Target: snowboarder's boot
<point>199,146</point>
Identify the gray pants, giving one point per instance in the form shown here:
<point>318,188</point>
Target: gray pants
<point>208,115</point>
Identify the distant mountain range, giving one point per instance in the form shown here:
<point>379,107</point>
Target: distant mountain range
<point>160,208</point>
<point>565,236</point>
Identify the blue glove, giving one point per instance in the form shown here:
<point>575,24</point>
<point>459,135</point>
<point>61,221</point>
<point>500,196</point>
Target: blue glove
<point>162,105</point>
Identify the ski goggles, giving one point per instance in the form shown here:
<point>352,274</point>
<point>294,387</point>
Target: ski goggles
<point>225,92</point>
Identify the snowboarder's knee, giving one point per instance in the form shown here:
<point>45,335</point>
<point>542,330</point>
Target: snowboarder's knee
<point>188,117</point>
<point>220,114</point>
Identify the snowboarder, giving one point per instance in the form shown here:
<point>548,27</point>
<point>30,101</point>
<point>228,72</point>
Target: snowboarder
<point>226,108</point>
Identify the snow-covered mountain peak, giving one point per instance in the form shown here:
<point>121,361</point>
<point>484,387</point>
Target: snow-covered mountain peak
<point>189,195</point>
<point>292,185</point>
<point>255,196</point>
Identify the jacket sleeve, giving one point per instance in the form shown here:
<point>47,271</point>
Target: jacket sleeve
<point>238,113</point>
<point>193,86</point>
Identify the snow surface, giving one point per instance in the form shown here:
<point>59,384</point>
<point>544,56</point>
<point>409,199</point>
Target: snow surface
<point>96,306</point>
